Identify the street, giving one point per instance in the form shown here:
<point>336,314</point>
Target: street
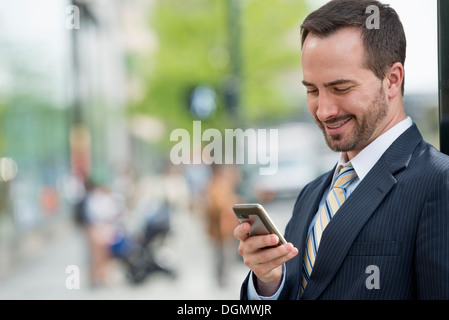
<point>45,277</point>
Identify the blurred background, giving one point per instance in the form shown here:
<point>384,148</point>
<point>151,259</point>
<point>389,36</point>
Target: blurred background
<point>91,207</point>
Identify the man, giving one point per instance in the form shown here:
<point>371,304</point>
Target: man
<point>377,225</point>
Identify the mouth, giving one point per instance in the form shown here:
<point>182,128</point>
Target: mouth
<point>335,127</point>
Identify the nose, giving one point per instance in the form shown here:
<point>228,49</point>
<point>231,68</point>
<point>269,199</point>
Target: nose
<point>327,107</point>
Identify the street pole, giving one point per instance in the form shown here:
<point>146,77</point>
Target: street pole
<point>234,83</point>
<point>443,67</point>
<point>80,140</point>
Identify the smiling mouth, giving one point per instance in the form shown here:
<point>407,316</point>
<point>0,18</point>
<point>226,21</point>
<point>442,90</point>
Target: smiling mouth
<point>339,125</point>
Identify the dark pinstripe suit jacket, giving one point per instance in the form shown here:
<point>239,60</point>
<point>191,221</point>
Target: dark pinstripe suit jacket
<point>397,220</point>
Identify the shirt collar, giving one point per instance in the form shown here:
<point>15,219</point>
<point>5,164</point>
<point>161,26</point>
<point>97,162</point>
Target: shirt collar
<point>368,157</point>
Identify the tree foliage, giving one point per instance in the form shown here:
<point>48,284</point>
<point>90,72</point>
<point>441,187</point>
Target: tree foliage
<point>193,49</point>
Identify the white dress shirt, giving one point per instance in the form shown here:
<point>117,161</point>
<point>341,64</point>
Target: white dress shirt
<point>362,163</point>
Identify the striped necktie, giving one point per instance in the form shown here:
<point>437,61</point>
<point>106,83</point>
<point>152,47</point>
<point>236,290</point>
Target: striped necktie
<point>333,202</point>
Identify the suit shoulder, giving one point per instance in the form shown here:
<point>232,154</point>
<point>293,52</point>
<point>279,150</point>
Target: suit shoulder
<point>431,158</point>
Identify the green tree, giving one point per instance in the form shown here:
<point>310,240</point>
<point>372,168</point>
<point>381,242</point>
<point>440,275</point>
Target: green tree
<point>271,54</point>
<point>193,49</point>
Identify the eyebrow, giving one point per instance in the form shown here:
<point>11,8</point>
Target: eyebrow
<point>329,84</point>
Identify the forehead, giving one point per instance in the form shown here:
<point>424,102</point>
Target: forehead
<point>337,56</point>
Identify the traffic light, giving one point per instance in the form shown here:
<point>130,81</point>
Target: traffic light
<point>202,102</point>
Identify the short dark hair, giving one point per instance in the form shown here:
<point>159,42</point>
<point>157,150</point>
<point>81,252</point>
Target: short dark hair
<point>383,46</point>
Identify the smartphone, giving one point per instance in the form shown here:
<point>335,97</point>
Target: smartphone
<point>258,218</point>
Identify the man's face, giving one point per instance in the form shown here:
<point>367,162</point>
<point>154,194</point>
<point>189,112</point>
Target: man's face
<point>346,99</point>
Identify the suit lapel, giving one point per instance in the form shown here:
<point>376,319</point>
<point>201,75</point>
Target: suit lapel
<point>299,225</point>
<point>341,232</point>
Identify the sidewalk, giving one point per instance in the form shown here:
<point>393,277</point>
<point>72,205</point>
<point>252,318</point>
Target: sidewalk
<point>45,276</point>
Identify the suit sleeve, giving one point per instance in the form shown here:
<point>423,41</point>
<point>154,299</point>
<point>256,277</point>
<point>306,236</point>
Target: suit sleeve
<point>244,289</point>
<point>432,245</point>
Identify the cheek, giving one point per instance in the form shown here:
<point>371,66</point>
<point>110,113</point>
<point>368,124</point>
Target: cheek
<point>353,104</point>
<point>312,105</point>
<point>350,106</point>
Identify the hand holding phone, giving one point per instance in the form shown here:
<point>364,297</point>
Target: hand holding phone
<point>258,218</point>
<point>261,252</point>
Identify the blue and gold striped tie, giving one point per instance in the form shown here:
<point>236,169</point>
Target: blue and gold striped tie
<point>333,202</point>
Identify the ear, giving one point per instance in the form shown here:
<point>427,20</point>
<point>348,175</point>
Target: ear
<point>394,78</point>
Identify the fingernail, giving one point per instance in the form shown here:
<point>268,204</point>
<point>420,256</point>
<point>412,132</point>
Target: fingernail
<point>288,247</point>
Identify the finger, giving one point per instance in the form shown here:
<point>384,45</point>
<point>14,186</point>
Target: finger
<point>268,255</point>
<point>257,259</point>
<point>241,232</point>
<point>257,243</point>
<point>276,262</point>
<point>264,269</point>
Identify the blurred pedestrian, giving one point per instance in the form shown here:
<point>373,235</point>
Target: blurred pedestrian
<point>221,221</point>
<point>103,209</point>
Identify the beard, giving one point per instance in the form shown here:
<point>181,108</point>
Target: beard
<point>364,126</point>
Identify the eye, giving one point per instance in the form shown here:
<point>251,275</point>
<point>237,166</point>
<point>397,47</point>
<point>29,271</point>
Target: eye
<point>342,90</point>
<point>312,91</point>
